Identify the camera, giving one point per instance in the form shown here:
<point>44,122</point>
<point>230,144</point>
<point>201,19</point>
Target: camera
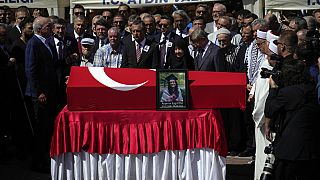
<point>267,173</point>
<point>275,72</point>
<point>309,50</point>
<point>265,73</point>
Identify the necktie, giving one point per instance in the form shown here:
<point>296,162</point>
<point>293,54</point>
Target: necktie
<point>200,54</point>
<point>79,45</point>
<point>163,51</point>
<point>138,52</point>
<point>60,50</point>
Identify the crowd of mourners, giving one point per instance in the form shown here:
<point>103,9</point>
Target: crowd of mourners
<point>280,57</point>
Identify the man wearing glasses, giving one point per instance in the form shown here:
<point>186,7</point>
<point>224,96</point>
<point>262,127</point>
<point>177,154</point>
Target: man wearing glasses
<point>287,44</point>
<point>78,10</point>
<point>166,39</point>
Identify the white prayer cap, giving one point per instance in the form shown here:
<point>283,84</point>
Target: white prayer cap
<point>262,34</point>
<point>223,31</point>
<point>271,36</point>
<point>88,41</point>
<point>273,47</point>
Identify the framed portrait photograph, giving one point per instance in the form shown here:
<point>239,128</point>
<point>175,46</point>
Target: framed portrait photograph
<point>172,89</point>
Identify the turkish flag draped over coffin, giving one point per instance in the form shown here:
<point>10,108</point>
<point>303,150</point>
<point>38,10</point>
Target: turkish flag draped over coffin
<point>97,88</point>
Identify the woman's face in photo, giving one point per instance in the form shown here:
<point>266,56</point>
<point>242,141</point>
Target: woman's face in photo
<point>179,52</point>
<point>172,83</point>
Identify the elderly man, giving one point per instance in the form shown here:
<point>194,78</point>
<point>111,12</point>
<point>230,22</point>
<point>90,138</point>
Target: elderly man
<point>92,30</point>
<point>41,88</point>
<point>87,46</point>
<point>110,55</point>
<point>217,11</point>
<point>78,32</point>
<point>150,24</point>
<point>181,20</point>
<point>261,89</point>
<point>228,51</point>
<point>225,22</point>
<point>77,11</point>
<point>206,56</point>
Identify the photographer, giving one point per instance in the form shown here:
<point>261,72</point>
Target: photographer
<point>294,112</point>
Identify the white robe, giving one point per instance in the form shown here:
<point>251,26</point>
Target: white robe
<point>261,92</point>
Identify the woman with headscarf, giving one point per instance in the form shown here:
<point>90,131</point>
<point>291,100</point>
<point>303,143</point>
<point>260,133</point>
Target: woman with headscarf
<point>180,58</point>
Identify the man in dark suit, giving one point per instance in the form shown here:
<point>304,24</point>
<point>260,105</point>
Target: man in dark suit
<point>41,88</point>
<point>294,112</point>
<point>20,14</point>
<point>207,57</point>
<point>77,10</point>
<point>101,28</point>
<point>150,25</point>
<point>166,39</point>
<point>65,47</point>
<point>79,33</point>
<point>140,52</point>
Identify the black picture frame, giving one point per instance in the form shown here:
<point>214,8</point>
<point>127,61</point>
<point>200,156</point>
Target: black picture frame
<point>167,99</point>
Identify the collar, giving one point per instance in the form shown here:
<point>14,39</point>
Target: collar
<point>167,36</point>
<point>17,26</point>
<point>142,43</point>
<point>76,35</point>
<point>42,39</point>
<point>207,46</point>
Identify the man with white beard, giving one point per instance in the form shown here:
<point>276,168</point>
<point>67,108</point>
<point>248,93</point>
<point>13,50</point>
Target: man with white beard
<point>261,91</point>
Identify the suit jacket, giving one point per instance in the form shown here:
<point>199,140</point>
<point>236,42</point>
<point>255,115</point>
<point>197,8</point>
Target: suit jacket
<point>297,115</point>
<point>209,27</point>
<point>173,37</point>
<point>63,65</point>
<point>210,61</point>
<point>13,35</point>
<point>85,35</point>
<point>40,69</point>
<point>149,56</point>
<point>154,34</point>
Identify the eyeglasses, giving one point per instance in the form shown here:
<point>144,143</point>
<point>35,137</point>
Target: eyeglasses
<point>276,42</point>
<point>259,44</point>
<point>107,17</point>
<point>201,12</point>
<point>78,13</point>
<point>164,25</point>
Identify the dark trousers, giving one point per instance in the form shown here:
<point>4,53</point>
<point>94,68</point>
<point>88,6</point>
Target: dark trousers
<point>296,170</point>
<point>43,124</point>
<point>249,127</point>
<point>234,127</point>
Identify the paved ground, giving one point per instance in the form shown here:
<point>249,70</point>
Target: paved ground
<point>237,169</point>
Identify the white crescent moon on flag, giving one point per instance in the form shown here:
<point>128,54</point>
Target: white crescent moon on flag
<point>99,74</point>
